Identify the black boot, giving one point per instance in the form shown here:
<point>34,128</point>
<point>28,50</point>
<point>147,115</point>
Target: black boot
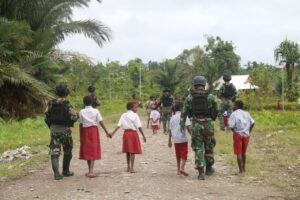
<point>66,166</point>
<point>201,173</point>
<point>55,166</point>
<point>209,170</point>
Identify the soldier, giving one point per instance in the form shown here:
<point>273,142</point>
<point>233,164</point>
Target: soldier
<point>91,92</point>
<point>201,108</point>
<point>60,117</point>
<point>166,104</point>
<point>227,94</point>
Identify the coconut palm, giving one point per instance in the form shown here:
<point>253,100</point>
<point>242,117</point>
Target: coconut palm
<point>289,52</point>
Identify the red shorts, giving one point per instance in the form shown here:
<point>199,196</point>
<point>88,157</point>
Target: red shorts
<point>240,144</point>
<point>155,127</point>
<point>181,150</point>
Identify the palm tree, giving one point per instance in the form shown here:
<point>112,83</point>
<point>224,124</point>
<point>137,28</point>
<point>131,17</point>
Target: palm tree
<point>167,76</point>
<point>55,16</point>
<point>289,52</point>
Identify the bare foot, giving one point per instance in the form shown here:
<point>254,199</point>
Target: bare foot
<point>178,173</point>
<point>132,171</point>
<point>184,173</point>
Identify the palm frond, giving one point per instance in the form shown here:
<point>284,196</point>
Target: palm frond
<point>92,29</point>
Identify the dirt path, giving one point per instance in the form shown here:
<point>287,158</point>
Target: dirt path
<point>155,178</point>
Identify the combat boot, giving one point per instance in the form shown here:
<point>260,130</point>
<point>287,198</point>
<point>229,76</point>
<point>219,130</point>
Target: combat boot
<point>66,166</point>
<point>55,166</point>
<point>201,175</point>
<point>209,170</point>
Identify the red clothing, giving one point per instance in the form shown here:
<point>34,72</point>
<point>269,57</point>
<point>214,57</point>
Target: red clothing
<point>240,144</point>
<point>90,148</point>
<point>131,142</point>
<point>155,127</point>
<point>181,150</point>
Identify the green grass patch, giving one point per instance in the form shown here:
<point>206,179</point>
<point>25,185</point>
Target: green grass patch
<point>21,167</point>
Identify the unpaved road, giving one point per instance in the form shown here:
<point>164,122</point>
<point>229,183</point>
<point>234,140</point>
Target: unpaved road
<point>155,178</point>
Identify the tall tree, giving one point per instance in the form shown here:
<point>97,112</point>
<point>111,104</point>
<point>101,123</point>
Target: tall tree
<point>289,52</point>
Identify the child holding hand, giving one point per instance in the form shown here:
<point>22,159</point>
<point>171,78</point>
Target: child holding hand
<point>130,123</point>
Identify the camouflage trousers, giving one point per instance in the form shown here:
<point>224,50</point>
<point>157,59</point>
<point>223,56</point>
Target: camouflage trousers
<point>203,143</point>
<point>226,106</point>
<point>61,138</point>
<point>166,115</point>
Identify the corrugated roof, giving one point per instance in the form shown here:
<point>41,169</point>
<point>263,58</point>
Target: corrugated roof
<point>241,82</point>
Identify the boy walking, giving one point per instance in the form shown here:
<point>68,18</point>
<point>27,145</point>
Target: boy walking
<point>179,138</point>
<point>241,124</point>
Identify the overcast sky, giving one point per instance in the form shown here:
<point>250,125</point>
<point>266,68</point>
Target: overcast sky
<point>159,29</point>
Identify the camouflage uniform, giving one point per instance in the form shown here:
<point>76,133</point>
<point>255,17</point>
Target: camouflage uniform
<point>166,111</point>
<point>203,140</point>
<point>226,105</point>
<point>61,135</point>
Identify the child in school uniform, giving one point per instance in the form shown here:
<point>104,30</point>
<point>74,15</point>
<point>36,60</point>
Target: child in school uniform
<point>131,123</point>
<point>241,124</point>
<point>155,117</point>
<point>90,148</point>
<point>179,137</point>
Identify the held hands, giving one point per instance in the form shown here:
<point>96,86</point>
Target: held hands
<point>108,135</point>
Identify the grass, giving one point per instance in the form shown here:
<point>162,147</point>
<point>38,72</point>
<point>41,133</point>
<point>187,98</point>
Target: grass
<point>273,153</point>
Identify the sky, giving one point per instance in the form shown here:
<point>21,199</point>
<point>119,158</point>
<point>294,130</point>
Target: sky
<point>161,29</point>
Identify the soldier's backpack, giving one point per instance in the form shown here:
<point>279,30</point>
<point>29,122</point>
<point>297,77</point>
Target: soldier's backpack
<point>167,101</point>
<point>59,113</point>
<point>229,90</point>
<point>199,106</point>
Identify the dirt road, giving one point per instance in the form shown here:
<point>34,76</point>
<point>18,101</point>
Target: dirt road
<point>155,178</point>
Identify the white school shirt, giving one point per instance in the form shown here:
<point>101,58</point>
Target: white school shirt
<point>240,121</point>
<point>130,120</point>
<point>177,135</point>
<point>89,116</point>
<point>155,115</point>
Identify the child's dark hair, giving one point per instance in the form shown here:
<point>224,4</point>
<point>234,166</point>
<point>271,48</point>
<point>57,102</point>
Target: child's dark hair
<point>239,104</point>
<point>130,105</point>
<point>87,100</point>
<point>178,106</point>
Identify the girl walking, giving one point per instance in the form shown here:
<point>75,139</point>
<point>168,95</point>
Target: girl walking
<point>90,148</point>
<point>130,122</point>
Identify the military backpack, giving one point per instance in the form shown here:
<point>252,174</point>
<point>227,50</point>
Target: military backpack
<point>58,113</point>
<point>167,101</point>
<point>228,90</point>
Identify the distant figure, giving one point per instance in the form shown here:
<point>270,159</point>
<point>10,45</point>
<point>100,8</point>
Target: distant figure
<point>60,117</point>
<point>227,94</point>
<point>150,105</point>
<point>130,123</point>
<point>90,147</point>
<point>91,92</point>
<point>154,118</point>
<point>166,103</point>
<point>179,137</point>
<point>241,124</point>
<point>136,101</point>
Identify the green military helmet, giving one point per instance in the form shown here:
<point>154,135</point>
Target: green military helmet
<point>227,77</point>
<point>199,80</point>
<point>91,89</point>
<point>62,90</point>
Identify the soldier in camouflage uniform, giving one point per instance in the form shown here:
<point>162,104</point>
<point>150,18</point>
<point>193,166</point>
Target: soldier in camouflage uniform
<point>91,92</point>
<point>201,108</point>
<point>60,117</point>
<point>166,103</point>
<point>227,94</point>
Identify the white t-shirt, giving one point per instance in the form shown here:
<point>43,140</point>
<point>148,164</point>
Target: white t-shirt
<point>241,121</point>
<point>154,115</point>
<point>177,135</point>
<point>130,120</point>
<point>89,116</point>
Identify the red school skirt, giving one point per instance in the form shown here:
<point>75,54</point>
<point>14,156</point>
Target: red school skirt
<point>90,148</point>
<point>131,142</point>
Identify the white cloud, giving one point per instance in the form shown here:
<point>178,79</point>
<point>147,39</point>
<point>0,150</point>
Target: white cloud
<point>158,29</point>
